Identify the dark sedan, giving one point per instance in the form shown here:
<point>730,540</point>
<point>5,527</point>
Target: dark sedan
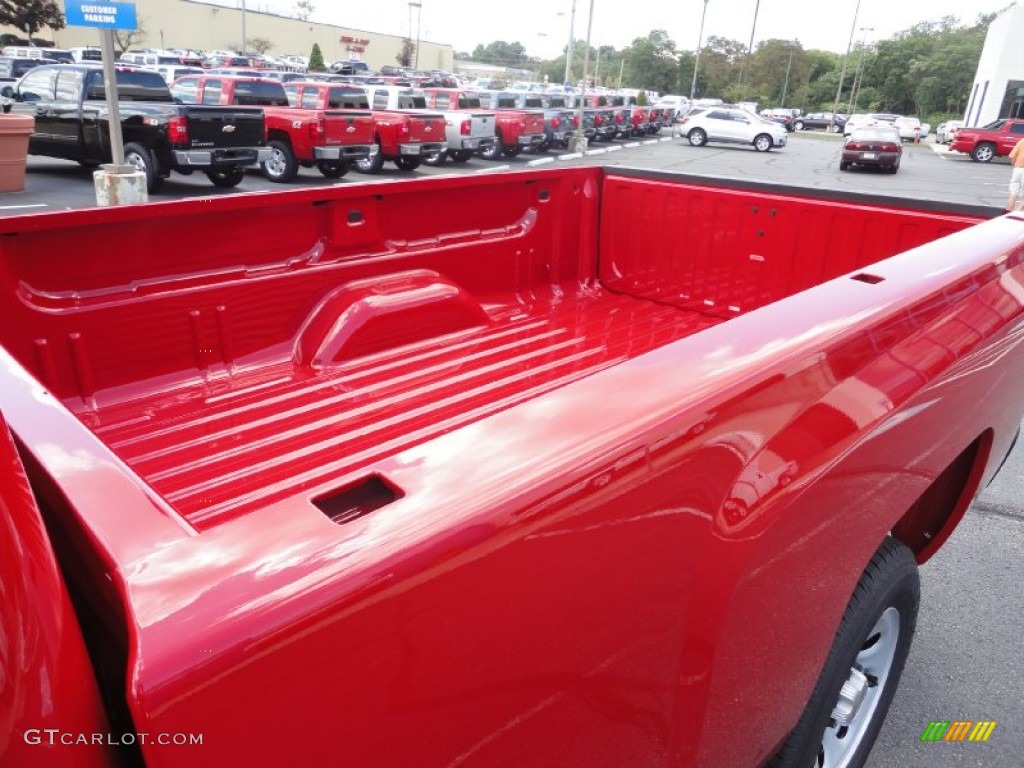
<point>878,146</point>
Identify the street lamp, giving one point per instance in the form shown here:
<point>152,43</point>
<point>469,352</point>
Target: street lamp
<point>857,75</point>
<point>245,42</point>
<point>842,70</point>
<point>696,61</point>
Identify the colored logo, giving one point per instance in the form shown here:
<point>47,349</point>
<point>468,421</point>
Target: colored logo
<point>958,730</point>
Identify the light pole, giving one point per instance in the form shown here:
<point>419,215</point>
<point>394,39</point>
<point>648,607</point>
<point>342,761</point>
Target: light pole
<point>579,143</point>
<point>419,26</point>
<point>750,46</point>
<point>569,48</point>
<point>785,83</point>
<point>842,70</point>
<point>245,43</point>
<point>700,44</point>
<point>857,75</point>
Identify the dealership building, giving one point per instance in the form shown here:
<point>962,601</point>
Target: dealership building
<point>998,90</point>
<point>205,26</point>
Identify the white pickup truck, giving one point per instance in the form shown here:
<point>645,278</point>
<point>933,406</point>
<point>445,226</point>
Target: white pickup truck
<point>467,132</point>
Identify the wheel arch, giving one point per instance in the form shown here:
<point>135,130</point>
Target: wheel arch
<point>276,134</point>
<point>930,520</point>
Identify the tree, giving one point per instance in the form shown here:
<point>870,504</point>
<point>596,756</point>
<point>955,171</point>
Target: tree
<point>316,59</point>
<point>31,15</point>
<point>651,63</point>
<point>501,52</point>
<point>304,9</point>
<point>124,39</point>
<point>406,53</point>
<point>259,44</point>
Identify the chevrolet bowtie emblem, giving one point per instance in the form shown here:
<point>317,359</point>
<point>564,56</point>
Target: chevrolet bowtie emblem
<point>228,129</point>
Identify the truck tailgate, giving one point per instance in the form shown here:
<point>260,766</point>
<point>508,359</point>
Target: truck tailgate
<point>482,124</point>
<point>210,126</point>
<point>348,127</point>
<point>426,127</point>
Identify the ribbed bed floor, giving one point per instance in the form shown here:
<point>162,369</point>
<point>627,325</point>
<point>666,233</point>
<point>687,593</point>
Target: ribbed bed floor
<point>219,449</point>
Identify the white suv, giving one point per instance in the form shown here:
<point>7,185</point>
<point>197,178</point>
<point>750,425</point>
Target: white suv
<point>730,125</point>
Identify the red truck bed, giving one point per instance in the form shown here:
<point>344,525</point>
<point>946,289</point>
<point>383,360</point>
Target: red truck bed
<point>555,467</point>
<point>226,413</point>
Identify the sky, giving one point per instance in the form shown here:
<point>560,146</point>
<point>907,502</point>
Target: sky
<point>542,26</point>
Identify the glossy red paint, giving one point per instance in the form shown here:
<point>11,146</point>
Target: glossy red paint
<point>618,514</point>
<point>46,678</point>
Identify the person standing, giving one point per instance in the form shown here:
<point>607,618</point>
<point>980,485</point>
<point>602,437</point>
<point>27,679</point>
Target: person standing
<point>1017,177</point>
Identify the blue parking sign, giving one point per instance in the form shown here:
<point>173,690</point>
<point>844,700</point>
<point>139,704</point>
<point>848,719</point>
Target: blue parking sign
<point>96,13</point>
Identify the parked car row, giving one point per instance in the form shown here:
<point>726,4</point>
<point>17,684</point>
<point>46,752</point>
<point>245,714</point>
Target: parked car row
<point>221,123</point>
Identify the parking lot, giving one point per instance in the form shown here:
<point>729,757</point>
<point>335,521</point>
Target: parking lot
<point>810,160</point>
<point>966,662</point>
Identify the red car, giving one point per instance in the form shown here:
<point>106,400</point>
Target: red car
<point>877,146</point>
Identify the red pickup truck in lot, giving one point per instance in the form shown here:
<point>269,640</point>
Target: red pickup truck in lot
<point>993,140</point>
<point>329,138</point>
<point>476,471</point>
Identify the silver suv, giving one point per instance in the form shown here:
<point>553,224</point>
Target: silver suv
<point>731,125</point>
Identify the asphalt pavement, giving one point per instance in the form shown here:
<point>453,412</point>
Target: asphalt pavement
<point>966,661</point>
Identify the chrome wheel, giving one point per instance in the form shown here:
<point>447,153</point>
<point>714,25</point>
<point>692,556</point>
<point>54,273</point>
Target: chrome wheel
<point>135,161</point>
<point>855,709</point>
<point>276,165</point>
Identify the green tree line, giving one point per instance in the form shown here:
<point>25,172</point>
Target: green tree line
<point>926,70</point>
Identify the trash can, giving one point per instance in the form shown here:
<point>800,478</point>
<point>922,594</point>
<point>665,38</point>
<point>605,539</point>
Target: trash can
<point>14,132</point>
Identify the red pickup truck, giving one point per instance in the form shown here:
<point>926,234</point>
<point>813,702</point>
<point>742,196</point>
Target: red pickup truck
<point>329,138</point>
<point>993,140</point>
<point>514,129</point>
<point>475,471</point>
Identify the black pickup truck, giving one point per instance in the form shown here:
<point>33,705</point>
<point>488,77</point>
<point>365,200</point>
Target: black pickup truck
<point>160,136</point>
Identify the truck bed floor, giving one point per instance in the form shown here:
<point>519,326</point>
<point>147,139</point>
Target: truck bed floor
<point>238,440</point>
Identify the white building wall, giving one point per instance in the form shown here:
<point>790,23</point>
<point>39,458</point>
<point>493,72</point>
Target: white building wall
<point>1002,60</point>
<point>198,25</point>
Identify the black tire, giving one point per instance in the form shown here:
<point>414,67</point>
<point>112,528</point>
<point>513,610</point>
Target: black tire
<point>332,169</point>
<point>143,159</point>
<point>697,137</point>
<point>435,158</point>
<point>869,652</point>
<point>282,166</point>
<point>894,167</point>
<point>227,177</point>
<point>763,142</point>
<point>984,152</point>
<point>407,163</point>
<point>460,155</point>
<point>494,152</point>
<point>372,163</point>
<point>843,166</point>
<point>513,150</point>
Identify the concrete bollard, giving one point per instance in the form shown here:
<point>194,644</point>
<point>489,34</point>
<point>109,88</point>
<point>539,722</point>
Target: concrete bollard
<point>577,143</point>
<point>120,185</point>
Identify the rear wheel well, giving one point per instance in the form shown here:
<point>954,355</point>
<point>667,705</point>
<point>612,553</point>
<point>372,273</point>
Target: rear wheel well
<point>279,135</point>
<point>937,512</point>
